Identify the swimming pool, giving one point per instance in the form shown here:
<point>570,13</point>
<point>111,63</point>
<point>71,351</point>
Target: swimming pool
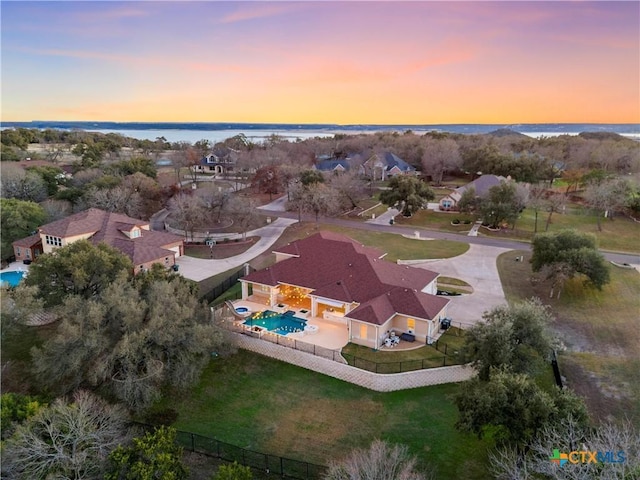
<point>11,278</point>
<point>280,323</point>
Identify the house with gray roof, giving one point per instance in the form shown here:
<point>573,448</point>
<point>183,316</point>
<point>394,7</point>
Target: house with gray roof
<point>480,185</point>
<point>385,165</point>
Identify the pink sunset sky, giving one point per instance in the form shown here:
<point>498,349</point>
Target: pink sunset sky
<point>322,62</point>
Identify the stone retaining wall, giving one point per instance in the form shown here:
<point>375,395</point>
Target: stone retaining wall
<point>373,381</point>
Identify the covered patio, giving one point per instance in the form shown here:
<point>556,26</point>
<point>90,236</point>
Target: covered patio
<point>328,333</point>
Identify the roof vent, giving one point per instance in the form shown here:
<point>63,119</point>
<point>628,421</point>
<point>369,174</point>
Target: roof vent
<point>338,282</point>
<point>351,264</point>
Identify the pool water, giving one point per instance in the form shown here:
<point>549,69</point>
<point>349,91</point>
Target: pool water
<point>282,324</point>
<point>11,278</point>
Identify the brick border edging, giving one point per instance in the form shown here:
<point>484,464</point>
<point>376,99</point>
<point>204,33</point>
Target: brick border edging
<point>373,381</point>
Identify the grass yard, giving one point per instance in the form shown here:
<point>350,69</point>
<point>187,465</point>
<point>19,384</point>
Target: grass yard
<point>395,361</point>
<point>620,234</point>
<point>438,221</point>
<point>270,406</point>
<point>220,250</point>
<point>396,246</point>
<point>600,330</point>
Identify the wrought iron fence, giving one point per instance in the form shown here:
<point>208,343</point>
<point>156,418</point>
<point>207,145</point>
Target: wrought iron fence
<point>273,464</point>
<point>225,285</point>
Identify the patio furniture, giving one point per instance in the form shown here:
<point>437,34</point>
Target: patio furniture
<point>408,337</point>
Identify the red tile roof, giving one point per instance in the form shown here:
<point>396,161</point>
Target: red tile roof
<point>338,268</point>
<point>108,227</point>
<point>28,242</point>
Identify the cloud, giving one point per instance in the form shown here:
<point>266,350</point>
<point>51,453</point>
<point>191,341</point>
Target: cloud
<point>260,10</point>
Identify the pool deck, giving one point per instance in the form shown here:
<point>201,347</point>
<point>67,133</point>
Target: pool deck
<point>331,335</point>
<point>16,267</point>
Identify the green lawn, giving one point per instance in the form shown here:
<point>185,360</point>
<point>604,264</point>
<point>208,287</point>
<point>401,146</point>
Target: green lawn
<point>396,361</point>
<point>438,221</point>
<point>274,407</point>
<point>600,329</point>
<point>620,234</point>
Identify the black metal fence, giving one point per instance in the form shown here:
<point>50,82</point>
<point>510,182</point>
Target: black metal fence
<point>272,464</point>
<point>225,285</point>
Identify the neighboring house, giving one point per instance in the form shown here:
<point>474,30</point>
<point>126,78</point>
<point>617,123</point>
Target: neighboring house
<point>481,185</point>
<point>222,161</point>
<point>332,165</point>
<point>131,236</point>
<point>383,166</point>
<point>340,280</point>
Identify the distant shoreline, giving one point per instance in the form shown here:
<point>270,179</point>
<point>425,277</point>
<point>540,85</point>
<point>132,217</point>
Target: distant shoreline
<point>215,132</point>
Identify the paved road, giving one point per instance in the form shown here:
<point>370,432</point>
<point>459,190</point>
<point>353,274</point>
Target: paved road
<point>198,269</point>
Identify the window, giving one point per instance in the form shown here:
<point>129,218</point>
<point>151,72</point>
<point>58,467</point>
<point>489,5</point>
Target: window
<point>411,323</point>
<point>17,251</point>
<point>27,253</point>
<point>363,331</point>
<point>135,233</point>
<point>166,260</point>
<point>55,241</point>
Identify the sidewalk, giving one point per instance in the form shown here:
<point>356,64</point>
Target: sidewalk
<point>198,269</point>
<point>385,217</point>
<point>278,205</point>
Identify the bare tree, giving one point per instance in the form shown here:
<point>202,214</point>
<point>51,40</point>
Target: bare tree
<point>319,199</point>
<point>536,201</point>
<point>66,440</point>
<point>17,183</point>
<point>440,156</point>
<point>188,211</point>
<point>350,187</point>
<point>533,461</point>
<point>380,461</point>
<point>119,199</point>
<point>56,209</point>
<point>606,197</point>
<point>244,213</point>
<point>555,204</point>
<point>215,199</point>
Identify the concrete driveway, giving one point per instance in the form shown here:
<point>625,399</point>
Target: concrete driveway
<point>478,268</point>
<point>198,269</point>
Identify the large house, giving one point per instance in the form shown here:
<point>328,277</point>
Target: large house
<point>385,165</point>
<point>480,185</point>
<point>222,161</point>
<point>340,280</point>
<point>131,236</point>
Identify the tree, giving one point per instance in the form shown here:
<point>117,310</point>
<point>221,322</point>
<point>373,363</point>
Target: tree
<point>409,192</point>
<point>56,209</point>
<point>154,456</point>
<point>50,175</point>
<point>440,156</point>
<point>143,165</point>
<point>350,188</point>
<point>19,219</point>
<point>133,339</point>
<point>502,204</point>
<point>244,214</point>
<point>119,199</point>
<point>555,203</point>
<point>535,201</point>
<point>66,439</point>
<point>516,336</point>
<point>311,177</point>
<point>469,201</point>
<point>380,461</point>
<point>567,435</point>
<point>188,211</point>
<point>606,197</point>
<point>568,253</point>
<point>267,180</point>
<point>22,185</point>
<point>80,268</point>
<point>15,409</point>
<point>235,471</point>
<point>513,407</point>
<point>318,199</point>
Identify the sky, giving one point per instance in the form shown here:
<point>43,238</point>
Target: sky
<point>346,62</point>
